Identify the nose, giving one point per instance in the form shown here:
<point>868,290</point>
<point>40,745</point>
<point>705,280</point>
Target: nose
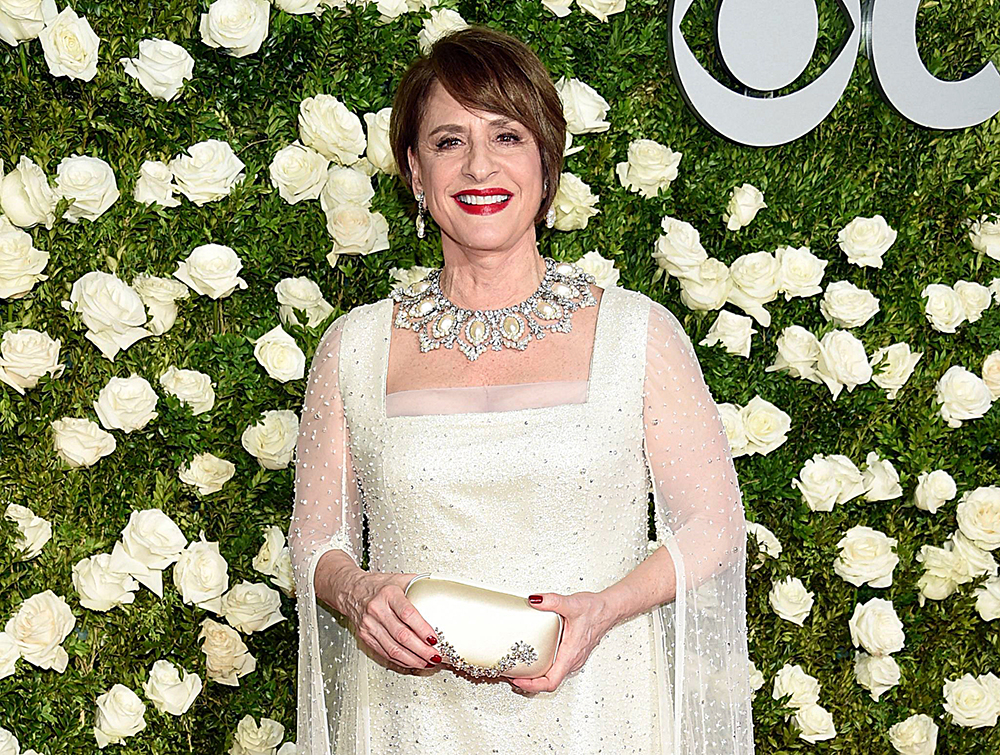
<point>480,161</point>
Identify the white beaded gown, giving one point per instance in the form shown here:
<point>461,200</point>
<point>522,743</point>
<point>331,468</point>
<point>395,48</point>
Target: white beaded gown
<point>537,487</point>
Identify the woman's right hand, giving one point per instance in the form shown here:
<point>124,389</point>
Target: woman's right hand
<point>386,620</point>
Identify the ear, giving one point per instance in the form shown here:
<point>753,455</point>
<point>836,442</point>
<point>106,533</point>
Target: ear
<point>415,181</point>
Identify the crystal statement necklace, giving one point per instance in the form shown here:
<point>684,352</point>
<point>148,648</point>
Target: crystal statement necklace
<point>424,308</point>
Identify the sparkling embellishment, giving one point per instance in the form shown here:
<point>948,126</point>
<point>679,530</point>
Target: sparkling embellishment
<point>520,652</point>
<point>424,308</point>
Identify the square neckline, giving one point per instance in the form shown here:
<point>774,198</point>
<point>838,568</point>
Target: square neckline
<point>599,328</point>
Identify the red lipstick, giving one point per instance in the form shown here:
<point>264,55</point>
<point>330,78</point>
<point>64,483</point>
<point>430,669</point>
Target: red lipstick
<point>483,209</point>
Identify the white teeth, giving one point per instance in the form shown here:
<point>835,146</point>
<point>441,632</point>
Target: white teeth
<point>474,199</point>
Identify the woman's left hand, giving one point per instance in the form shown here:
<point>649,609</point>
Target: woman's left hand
<point>587,617</point>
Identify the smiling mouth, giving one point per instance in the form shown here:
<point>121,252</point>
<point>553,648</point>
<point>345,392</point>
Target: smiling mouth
<point>476,204</point>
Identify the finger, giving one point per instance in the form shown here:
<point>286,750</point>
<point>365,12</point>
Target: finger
<point>396,651</point>
<point>410,616</point>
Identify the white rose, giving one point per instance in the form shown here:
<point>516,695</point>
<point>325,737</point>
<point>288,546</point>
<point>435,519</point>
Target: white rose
<point>866,555</point>
<point>944,309</point>
<point>970,702</point>
<point>277,352</point>
<point>756,279</point>
<point>155,184</point>
<point>560,7</point>
<point>876,673</point>
<point>733,330</point>
<point>988,599</point>
<point>343,184</point>
<point>933,489</point>
<point>985,236</point>
<point>303,294</point>
<point>33,532</point>
<point>799,271</point>
<point>202,574</point>
<point>272,440</point>
<point>120,714</point>
<point>26,355</point>
<point>963,396</point>
<point>441,22</point>
<point>818,482</point>
<point>976,561</point>
<point>161,67</point>
<point>212,270</point>
<point>283,575</point>
<point>207,472</point>
<point>227,657</point>
<point>601,9</point>
<point>842,362</point>
<point>257,740</point>
<point>127,404</point>
<point>917,735</point>
<point>9,655</point>
<point>391,9</point>
<point>81,442</point>
<point>21,264</point>
<point>267,556</point>
<point>650,167</point>
<point>110,309</point>
<point>975,298</point>
<point>876,627</point>
<point>568,148</point>
<point>70,46</point>
<point>814,722</point>
<point>756,678</point>
<point>991,373</point>
<point>302,7</point>
<point>978,515</point>
<point>847,306</point>
<point>26,197</point>
<point>744,203</point>
<point>790,599</point>
<point>208,171</point>
<point>881,480</point>
<point>897,369</point>
<point>943,572</point>
<point>573,203</point>
<point>153,538</point>
<point>732,423</point>
<point>356,230</point>
<point>22,20</point>
<point>604,271</point>
<point>379,151</point>
<point>100,588</point>
<point>252,607</point>
<point>709,286</point>
<point>38,627</point>
<point>767,542</point>
<point>798,350</point>
<point>237,26</point>
<point>160,296</point>
<point>192,387</point>
<point>865,240</point>
<point>766,426</point>
<point>583,108</point>
<point>298,172</point>
<point>679,250</point>
<point>168,693</point>
<point>793,680</point>
<point>326,125</point>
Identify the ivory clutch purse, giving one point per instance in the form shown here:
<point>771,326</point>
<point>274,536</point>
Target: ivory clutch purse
<point>486,632</point>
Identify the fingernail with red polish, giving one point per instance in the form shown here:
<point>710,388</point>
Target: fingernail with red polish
<point>432,640</point>
<point>535,598</point>
<point>436,658</point>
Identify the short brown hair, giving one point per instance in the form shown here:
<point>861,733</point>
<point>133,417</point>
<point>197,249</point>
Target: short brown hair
<point>489,70</point>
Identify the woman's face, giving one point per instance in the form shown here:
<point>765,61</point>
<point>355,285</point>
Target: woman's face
<point>466,161</point>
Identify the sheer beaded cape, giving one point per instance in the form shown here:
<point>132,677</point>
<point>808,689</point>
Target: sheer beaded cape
<point>645,422</point>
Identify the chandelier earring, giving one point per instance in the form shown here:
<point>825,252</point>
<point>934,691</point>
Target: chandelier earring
<point>550,215</point>
<point>421,211</point>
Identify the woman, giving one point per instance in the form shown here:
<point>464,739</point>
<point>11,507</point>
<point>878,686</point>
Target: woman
<point>522,463</point>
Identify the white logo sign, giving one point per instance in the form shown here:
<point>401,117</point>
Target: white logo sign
<point>766,45</point>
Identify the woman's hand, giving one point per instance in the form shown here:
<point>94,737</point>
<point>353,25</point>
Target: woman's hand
<point>587,618</point>
<point>386,620</point>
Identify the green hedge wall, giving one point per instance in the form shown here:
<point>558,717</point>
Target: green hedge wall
<point>864,159</point>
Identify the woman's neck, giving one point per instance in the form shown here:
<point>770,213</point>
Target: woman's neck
<point>491,280</point>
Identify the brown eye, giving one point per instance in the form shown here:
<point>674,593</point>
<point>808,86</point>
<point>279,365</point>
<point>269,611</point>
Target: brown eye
<point>443,143</point>
<point>513,137</point>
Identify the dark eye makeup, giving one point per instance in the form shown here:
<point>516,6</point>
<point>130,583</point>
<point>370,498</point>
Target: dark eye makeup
<point>509,137</point>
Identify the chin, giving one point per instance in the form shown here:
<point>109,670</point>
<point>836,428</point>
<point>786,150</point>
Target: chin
<point>481,238</point>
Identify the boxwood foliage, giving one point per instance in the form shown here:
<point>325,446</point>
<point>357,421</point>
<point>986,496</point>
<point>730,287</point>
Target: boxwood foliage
<point>862,160</point>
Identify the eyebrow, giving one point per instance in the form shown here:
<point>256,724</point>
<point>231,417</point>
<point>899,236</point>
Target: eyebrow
<point>499,122</point>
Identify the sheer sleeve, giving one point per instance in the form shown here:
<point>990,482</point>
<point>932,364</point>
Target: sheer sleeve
<point>326,514</point>
<point>698,511</point>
